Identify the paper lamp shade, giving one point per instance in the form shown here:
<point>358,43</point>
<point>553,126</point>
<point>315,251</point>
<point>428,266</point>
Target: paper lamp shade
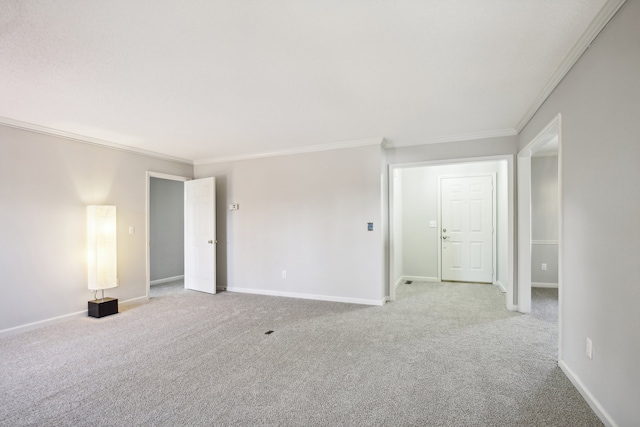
<point>101,247</point>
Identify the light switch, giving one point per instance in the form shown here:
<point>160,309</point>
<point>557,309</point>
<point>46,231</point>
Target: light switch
<point>234,206</point>
<point>132,229</point>
<point>433,224</point>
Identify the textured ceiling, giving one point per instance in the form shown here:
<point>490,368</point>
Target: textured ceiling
<point>211,79</point>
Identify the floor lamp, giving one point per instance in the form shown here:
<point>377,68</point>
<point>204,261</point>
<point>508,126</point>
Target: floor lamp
<point>102,258</point>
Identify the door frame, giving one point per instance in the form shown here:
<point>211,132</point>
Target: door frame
<point>510,286</point>
<point>552,130</point>
<point>149,175</point>
<point>494,207</point>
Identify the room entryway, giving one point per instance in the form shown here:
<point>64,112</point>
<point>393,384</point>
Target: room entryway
<point>165,228</point>
<point>479,234</point>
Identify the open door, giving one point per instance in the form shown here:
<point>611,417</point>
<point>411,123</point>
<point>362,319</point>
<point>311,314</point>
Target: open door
<point>200,235</point>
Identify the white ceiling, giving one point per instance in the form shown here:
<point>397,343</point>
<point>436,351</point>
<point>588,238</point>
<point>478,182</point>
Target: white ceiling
<point>213,79</point>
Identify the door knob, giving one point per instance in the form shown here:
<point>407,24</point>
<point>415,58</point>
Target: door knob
<point>210,242</point>
<point>445,237</point>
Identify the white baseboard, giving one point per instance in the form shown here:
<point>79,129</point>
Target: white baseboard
<point>501,287</point>
<point>60,319</point>
<point>543,285</point>
<point>143,298</point>
<point>166,280</point>
<point>42,323</point>
<point>420,279</point>
<point>398,283</point>
<point>604,416</point>
<point>308,296</point>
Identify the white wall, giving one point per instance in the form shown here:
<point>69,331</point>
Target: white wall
<point>420,205</point>
<point>600,289</point>
<point>544,220</point>
<point>306,214</point>
<point>166,228</point>
<point>46,182</point>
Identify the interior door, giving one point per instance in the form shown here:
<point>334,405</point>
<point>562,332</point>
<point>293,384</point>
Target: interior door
<point>466,205</point>
<point>200,235</point>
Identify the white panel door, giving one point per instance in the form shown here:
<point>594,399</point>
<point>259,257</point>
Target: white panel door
<point>200,235</point>
<point>466,205</point>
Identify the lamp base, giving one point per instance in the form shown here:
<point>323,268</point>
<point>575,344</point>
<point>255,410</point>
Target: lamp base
<point>103,307</point>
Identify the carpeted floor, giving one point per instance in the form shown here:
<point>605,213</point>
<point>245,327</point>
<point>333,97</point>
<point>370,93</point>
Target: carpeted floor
<point>443,354</point>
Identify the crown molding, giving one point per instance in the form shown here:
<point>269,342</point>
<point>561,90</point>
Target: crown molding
<point>297,150</point>
<point>396,143</point>
<point>88,140</point>
<point>603,17</point>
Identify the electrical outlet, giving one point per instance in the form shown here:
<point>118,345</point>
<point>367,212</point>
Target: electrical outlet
<point>589,349</point>
<point>544,266</point>
<point>284,274</point>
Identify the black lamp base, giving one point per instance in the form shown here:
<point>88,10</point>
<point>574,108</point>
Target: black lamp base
<point>103,307</point>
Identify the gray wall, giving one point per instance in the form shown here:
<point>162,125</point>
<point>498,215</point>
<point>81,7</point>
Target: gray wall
<point>46,183</point>
<point>544,220</point>
<point>166,228</point>
<point>420,205</point>
<point>600,154</point>
<point>306,214</point>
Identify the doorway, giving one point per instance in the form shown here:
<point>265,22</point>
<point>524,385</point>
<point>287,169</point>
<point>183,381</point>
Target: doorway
<point>165,229</point>
<point>415,235</point>
<point>547,141</point>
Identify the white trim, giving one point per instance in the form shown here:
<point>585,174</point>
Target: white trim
<point>166,280</point>
<point>501,287</point>
<point>591,33</point>
<point>544,242</point>
<point>451,138</point>
<point>135,300</point>
<point>307,296</point>
<point>595,405</point>
<point>41,323</point>
<point>297,150</point>
<point>89,140</point>
<point>149,175</point>
<point>58,319</point>
<point>398,283</point>
<point>544,285</point>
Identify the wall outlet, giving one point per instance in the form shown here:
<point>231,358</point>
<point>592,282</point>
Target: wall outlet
<point>544,266</point>
<point>234,206</point>
<point>433,224</point>
<point>284,274</point>
<point>589,348</point>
